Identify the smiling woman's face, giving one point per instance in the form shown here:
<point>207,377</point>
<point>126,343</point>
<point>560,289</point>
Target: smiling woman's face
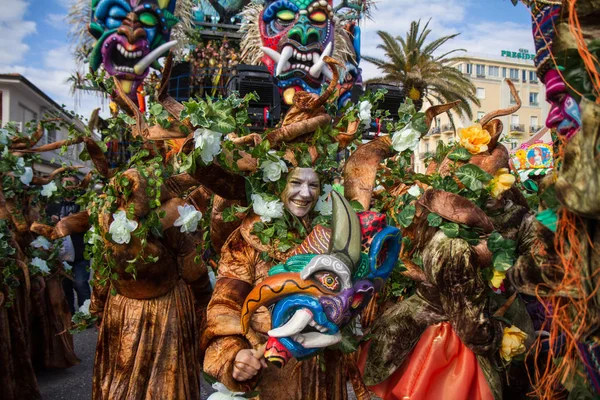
<point>301,191</point>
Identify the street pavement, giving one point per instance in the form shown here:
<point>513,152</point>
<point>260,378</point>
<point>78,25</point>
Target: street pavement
<point>75,383</point>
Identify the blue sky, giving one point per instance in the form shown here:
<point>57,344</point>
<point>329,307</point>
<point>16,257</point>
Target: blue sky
<point>33,36</point>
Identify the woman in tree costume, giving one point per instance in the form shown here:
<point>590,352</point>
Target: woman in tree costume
<point>450,338</point>
<point>562,270</point>
<point>34,315</point>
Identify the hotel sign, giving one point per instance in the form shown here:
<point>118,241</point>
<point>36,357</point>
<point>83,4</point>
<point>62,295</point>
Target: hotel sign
<point>522,54</point>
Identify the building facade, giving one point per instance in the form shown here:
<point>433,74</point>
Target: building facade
<point>488,74</point>
<point>22,102</point>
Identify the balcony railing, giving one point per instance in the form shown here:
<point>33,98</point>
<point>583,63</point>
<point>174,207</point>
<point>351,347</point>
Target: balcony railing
<point>447,127</point>
<point>535,128</point>
<point>435,131</point>
<point>481,75</point>
<point>517,128</point>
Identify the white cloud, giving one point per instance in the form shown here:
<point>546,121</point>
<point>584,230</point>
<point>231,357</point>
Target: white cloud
<point>13,30</point>
<point>56,21</point>
<point>447,17</point>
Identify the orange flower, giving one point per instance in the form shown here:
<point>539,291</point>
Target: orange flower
<point>474,138</point>
<point>501,183</point>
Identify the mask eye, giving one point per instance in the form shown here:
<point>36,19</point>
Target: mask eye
<point>318,16</point>
<point>148,19</point>
<point>328,280</point>
<point>286,16</point>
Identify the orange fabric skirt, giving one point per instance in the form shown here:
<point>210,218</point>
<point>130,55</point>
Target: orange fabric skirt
<point>439,367</point>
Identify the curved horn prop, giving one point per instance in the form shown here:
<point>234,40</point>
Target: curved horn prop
<point>345,234</point>
<point>505,111</point>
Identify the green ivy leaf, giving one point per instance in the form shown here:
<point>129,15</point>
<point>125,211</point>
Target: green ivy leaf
<point>406,216</point>
<point>450,229</point>
<point>473,177</point>
<point>434,220</point>
<point>460,154</point>
<point>503,261</point>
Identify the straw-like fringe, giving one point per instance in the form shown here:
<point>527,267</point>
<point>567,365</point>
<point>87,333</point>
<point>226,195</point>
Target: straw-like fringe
<point>80,39</point>
<point>184,28</point>
<point>251,42</point>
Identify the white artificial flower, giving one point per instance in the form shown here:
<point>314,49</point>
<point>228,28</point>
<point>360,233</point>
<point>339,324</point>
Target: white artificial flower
<point>20,161</point>
<point>68,267</point>
<point>41,265</point>
<point>94,237</point>
<point>267,209</point>
<point>49,189</point>
<point>188,218</point>
<point>406,139</point>
<point>121,227</point>
<point>85,307</point>
<point>212,278</point>
<point>272,170</point>
<point>364,112</point>
<point>209,143</point>
<point>3,136</point>
<point>414,191</point>
<point>41,243</point>
<point>26,176</point>
<point>222,393</point>
<point>324,205</point>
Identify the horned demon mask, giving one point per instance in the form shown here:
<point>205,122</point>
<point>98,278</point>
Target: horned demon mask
<point>295,37</point>
<point>315,295</point>
<point>130,36</point>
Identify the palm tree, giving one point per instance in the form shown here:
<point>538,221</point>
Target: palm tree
<point>410,62</point>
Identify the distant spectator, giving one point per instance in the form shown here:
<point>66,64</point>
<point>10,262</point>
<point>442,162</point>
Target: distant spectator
<point>80,265</point>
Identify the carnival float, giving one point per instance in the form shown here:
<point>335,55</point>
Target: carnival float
<point>335,261</point>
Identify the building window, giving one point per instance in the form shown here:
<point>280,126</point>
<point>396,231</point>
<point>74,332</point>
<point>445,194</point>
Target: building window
<point>533,77</point>
<point>469,69</point>
<point>51,136</point>
<point>534,124</point>
<point>524,76</point>
<point>26,114</point>
<point>480,115</point>
<point>504,72</point>
<point>533,99</point>
<point>514,119</point>
<point>513,144</point>
<point>514,74</point>
<point>480,93</point>
<point>426,147</point>
<point>459,67</point>
<point>480,70</point>
<point>493,71</point>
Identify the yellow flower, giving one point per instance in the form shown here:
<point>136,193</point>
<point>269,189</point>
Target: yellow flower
<point>501,183</point>
<point>474,138</point>
<point>498,279</point>
<point>513,343</point>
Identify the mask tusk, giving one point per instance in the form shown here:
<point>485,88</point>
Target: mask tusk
<point>145,62</point>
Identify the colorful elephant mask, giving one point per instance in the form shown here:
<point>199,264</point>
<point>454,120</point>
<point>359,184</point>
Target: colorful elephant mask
<point>131,35</point>
<point>314,296</point>
<point>295,36</point>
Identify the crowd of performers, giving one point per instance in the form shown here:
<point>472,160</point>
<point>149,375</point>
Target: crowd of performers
<point>452,284</point>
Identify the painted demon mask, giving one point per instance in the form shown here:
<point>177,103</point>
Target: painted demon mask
<point>314,296</point>
<point>131,35</point>
<point>564,114</point>
<point>296,35</point>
